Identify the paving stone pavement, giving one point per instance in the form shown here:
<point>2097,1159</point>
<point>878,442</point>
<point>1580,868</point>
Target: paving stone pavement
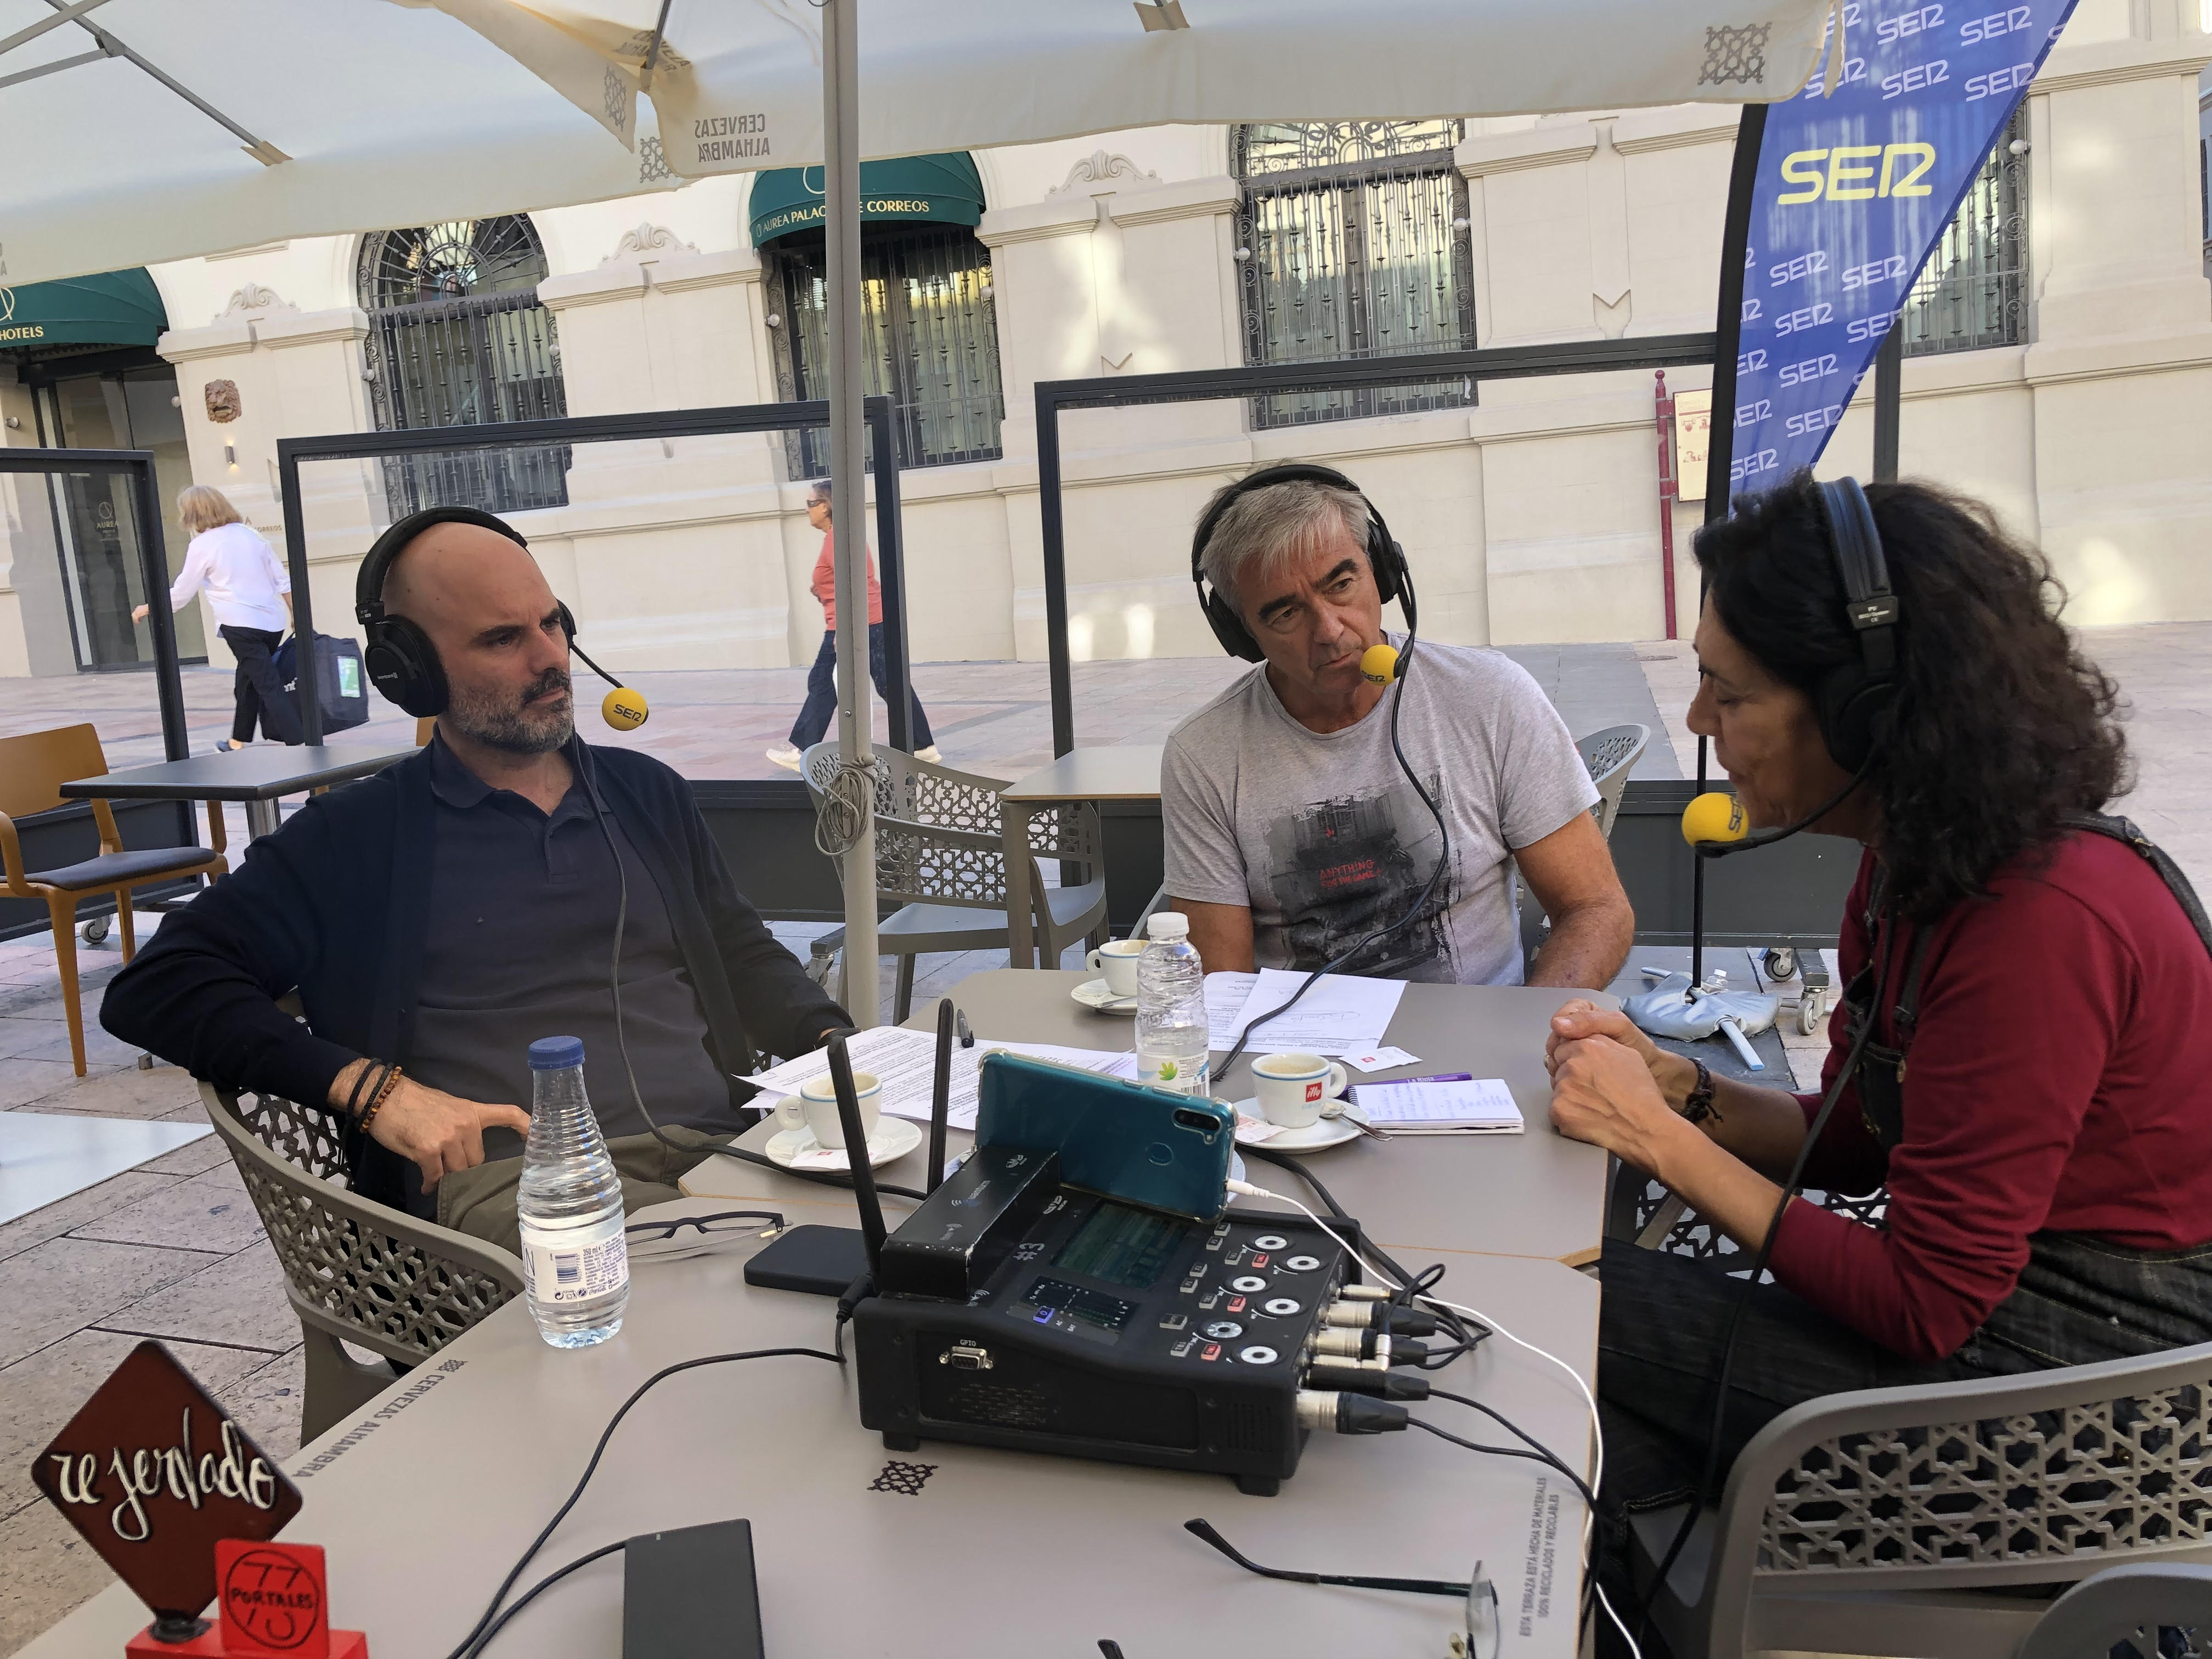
<point>172,1248</point>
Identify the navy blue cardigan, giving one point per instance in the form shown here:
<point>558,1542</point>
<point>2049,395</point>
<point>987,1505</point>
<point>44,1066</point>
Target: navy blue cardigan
<point>335,904</point>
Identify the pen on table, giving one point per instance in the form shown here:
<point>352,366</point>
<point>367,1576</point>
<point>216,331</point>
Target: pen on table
<point>1439,1077</point>
<point>960,1021</point>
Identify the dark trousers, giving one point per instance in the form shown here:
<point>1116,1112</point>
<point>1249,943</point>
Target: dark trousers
<point>821,706</point>
<point>1661,1325</point>
<point>1659,1329</point>
<point>259,691</point>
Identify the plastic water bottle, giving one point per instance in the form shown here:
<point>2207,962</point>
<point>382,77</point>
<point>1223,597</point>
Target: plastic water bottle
<point>1171,1026</point>
<point>576,1259</point>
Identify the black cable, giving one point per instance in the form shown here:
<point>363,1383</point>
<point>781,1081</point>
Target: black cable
<point>544,1584</point>
<point>476,1632</point>
<point>1534,1452</point>
<point>1409,605</point>
<point>1465,1334</point>
<point>584,769</point>
<point>1200,1528</point>
<point>1709,1471</point>
<point>707,1143</point>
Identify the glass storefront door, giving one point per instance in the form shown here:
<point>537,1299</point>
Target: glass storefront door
<point>95,515</point>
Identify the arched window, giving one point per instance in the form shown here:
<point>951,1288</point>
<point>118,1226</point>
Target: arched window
<point>1352,242</point>
<point>457,338</point>
<point>1972,291</point>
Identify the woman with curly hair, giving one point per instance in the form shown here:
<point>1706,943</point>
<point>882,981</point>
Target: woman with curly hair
<point>2031,1088</point>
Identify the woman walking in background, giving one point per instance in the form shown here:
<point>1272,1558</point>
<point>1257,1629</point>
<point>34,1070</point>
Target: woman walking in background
<point>821,703</point>
<point>251,597</point>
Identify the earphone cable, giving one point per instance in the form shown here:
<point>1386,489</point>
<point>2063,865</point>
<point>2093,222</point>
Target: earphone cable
<point>1420,904</point>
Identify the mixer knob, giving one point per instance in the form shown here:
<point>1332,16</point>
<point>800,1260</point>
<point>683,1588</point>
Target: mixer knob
<point>1270,1242</point>
<point>1281,1306</point>
<point>1300,1264</point>
<point>1247,1283</point>
<point>1224,1330</point>
<point>1258,1356</point>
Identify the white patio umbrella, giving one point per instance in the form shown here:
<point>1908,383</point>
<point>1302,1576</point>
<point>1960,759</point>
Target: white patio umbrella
<point>141,130</point>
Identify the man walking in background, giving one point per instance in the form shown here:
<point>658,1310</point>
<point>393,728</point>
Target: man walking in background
<point>821,705</point>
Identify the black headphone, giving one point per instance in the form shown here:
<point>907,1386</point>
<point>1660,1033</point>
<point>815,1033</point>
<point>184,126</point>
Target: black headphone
<point>1853,701</point>
<point>1384,557</point>
<point>400,657</point>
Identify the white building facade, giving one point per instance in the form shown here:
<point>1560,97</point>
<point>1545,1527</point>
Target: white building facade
<point>2060,366</point>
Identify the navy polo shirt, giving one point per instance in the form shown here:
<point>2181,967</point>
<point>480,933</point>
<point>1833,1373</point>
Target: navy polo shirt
<point>518,946</point>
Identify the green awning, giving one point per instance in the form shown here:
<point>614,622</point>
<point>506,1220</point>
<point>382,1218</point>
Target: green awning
<point>119,307</point>
<point>941,188</point>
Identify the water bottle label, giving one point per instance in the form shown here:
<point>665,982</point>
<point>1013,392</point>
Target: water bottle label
<point>1162,1072</point>
<point>565,1267</point>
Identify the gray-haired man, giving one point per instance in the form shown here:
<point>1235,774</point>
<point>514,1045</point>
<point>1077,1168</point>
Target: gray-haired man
<point>1292,831</point>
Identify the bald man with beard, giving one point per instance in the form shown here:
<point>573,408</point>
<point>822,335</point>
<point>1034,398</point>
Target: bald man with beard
<point>443,914</point>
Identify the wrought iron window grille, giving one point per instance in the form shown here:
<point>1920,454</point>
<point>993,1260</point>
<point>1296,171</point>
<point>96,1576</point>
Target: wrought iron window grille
<point>929,331</point>
<point>1972,291</point>
<point>457,338</point>
<point>1352,243</point>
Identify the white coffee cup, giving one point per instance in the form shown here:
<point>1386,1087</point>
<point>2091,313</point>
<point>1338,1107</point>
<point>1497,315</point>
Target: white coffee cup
<point>817,1101</point>
<point>1117,963</point>
<point>1292,1088</point>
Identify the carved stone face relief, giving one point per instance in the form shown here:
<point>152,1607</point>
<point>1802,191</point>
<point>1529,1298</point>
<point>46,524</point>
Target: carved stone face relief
<point>222,402</point>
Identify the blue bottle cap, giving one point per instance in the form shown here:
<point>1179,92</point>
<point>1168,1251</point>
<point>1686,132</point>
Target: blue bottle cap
<point>556,1053</point>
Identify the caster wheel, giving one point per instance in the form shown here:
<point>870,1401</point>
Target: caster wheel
<point>1809,1009</point>
<point>1781,962</point>
<point>93,932</point>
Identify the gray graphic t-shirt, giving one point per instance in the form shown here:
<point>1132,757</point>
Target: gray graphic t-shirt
<point>1321,836</point>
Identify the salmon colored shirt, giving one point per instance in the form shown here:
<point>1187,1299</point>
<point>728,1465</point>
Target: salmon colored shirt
<point>825,586</point>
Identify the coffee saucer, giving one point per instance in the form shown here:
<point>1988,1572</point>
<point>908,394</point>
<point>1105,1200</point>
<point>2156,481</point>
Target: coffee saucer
<point>1254,1130</point>
<point>894,1139</point>
<point>1098,996</point>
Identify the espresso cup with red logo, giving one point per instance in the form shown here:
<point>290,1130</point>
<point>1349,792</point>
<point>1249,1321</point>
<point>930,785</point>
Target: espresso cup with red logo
<point>1294,1088</point>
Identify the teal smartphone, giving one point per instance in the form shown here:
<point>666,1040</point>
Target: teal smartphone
<point>1124,1140</point>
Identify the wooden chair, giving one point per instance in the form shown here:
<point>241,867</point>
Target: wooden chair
<point>33,769</point>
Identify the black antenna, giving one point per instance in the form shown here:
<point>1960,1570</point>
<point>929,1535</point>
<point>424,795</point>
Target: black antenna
<point>856,1152</point>
<point>940,1098</point>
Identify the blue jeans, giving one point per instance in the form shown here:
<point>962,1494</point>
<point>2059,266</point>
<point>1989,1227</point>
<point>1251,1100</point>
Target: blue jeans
<point>821,705</point>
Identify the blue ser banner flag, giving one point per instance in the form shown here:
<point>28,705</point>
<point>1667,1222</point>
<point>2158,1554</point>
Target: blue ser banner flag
<point>1856,184</point>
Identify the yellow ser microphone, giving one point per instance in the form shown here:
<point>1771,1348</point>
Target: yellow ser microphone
<point>1715,817</point>
<point>1379,663</point>
<point>624,708</point>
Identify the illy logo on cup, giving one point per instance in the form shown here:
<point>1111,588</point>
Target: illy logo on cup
<point>1313,1090</point>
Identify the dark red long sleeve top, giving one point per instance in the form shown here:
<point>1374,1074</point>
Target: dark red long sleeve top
<point>2060,1079</point>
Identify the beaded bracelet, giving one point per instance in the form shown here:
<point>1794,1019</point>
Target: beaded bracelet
<point>384,1088</point>
<point>363,1086</point>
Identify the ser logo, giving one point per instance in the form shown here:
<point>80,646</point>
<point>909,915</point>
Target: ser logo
<point>1919,78</point>
<point>1975,30</point>
<point>1851,174</point>
<point>1860,330</point>
<point>1805,317</point>
<point>1999,81</point>
<point>1891,30</point>
<point>1818,420</point>
<point>1811,369</point>
<point>1751,362</point>
<point>1765,460</point>
<point>1791,270</point>
<point>1752,414</point>
<point>1875,270</point>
